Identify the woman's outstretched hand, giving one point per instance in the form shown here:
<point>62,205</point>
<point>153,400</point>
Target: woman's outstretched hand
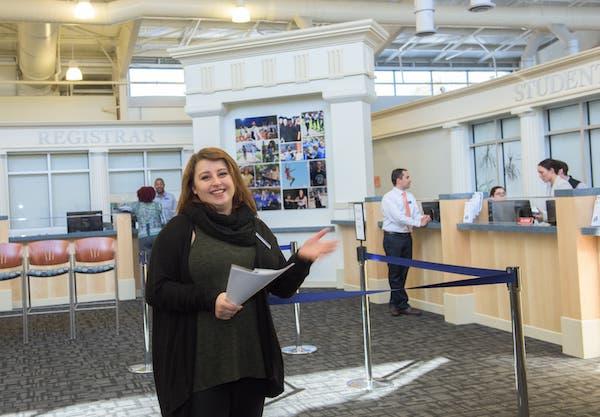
<point>314,247</point>
<point>224,308</point>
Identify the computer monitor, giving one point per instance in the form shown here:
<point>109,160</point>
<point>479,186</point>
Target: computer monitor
<point>508,211</point>
<point>432,209</point>
<point>551,210</point>
<point>84,221</point>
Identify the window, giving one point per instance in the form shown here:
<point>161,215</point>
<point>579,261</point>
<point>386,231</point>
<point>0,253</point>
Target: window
<point>497,155</point>
<point>128,171</point>
<point>43,187</point>
<point>574,137</point>
<point>156,82</point>
<point>426,83</point>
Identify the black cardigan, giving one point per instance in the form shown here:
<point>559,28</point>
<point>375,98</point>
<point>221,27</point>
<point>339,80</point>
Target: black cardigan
<point>176,300</point>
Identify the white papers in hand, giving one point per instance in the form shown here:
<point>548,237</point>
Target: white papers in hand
<point>244,283</point>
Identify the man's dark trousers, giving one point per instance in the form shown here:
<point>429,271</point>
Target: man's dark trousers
<point>398,245</point>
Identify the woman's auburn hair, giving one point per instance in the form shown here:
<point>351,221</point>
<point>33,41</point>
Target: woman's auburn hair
<point>242,194</point>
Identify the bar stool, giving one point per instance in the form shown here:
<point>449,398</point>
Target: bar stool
<point>11,267</point>
<point>95,255</point>
<point>47,259</point>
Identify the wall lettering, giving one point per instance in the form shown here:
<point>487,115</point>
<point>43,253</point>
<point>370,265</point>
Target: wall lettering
<point>96,137</point>
<point>557,83</point>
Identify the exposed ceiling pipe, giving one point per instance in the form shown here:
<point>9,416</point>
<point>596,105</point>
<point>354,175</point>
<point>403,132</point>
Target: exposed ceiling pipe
<point>118,11</point>
<point>38,43</point>
<point>424,11</point>
<point>303,22</point>
<point>528,59</point>
<point>567,37</point>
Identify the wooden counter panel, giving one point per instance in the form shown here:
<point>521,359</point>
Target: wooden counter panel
<point>537,258</point>
<point>349,242</point>
<point>427,246</point>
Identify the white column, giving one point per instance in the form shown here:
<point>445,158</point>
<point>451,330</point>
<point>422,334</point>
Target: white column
<point>4,204</point>
<point>461,165</point>
<point>351,147</point>
<point>99,191</point>
<point>533,150</point>
<point>208,124</point>
<point>186,154</point>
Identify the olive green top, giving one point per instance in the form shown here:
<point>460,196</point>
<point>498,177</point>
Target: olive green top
<point>226,350</point>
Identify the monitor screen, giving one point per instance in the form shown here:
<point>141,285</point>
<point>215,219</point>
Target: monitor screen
<point>508,211</point>
<point>432,209</point>
<point>551,210</point>
<point>84,221</point>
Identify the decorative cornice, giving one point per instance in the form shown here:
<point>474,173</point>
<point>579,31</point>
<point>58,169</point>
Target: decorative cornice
<point>367,31</point>
<point>102,123</point>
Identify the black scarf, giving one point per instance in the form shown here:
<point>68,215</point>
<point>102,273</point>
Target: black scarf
<point>238,228</point>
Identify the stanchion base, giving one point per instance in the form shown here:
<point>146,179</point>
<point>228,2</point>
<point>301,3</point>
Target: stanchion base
<point>299,350</point>
<point>140,368</point>
<point>363,383</point>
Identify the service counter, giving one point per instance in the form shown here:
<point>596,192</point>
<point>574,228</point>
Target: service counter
<point>54,290</point>
<point>559,269</point>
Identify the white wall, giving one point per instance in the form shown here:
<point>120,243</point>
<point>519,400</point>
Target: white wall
<point>425,154</point>
<point>8,72</point>
<point>57,109</point>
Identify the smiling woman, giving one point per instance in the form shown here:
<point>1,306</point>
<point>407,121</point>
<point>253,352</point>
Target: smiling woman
<point>206,349</point>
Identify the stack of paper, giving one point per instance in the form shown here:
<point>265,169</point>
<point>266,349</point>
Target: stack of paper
<point>244,283</point>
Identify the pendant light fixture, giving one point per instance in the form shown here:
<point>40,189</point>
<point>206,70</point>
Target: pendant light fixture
<point>73,73</point>
<point>240,14</point>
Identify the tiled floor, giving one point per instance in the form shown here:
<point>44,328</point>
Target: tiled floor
<point>431,368</point>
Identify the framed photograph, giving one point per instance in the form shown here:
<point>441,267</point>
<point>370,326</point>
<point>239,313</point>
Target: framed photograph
<point>314,147</point>
<point>270,150</point>
<point>318,173</point>
<point>267,175</point>
<point>290,128</point>
<point>317,198</point>
<point>291,152</point>
<point>295,199</point>
<point>248,174</point>
<point>294,175</point>
<point>313,123</point>
<point>267,198</point>
<point>248,152</point>
<point>256,128</point>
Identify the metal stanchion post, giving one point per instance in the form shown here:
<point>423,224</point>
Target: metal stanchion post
<point>518,343</point>
<point>298,348</point>
<point>365,383</point>
<point>146,367</point>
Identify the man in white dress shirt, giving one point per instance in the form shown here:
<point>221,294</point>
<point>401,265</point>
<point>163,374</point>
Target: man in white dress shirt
<point>400,214</point>
<point>167,200</point>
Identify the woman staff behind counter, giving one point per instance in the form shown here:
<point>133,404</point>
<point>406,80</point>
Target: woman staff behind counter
<point>211,357</point>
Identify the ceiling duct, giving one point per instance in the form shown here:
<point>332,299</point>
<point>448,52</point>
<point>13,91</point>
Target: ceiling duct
<point>424,10</point>
<point>567,37</point>
<point>38,43</point>
<point>481,5</point>
<point>529,57</point>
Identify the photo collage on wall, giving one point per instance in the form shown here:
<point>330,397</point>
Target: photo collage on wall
<point>282,160</point>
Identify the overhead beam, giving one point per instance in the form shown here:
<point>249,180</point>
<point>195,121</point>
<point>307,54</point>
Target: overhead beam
<point>402,14</point>
<point>127,39</point>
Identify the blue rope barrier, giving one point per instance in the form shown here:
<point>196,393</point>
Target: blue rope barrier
<point>285,247</point>
<point>503,278</point>
<point>453,269</point>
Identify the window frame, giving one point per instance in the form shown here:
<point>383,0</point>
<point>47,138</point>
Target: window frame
<point>584,131</point>
<point>498,141</point>
<point>147,171</point>
<point>49,172</point>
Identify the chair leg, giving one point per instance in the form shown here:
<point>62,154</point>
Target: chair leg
<point>24,291</point>
<point>116,297</point>
<point>73,332</point>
